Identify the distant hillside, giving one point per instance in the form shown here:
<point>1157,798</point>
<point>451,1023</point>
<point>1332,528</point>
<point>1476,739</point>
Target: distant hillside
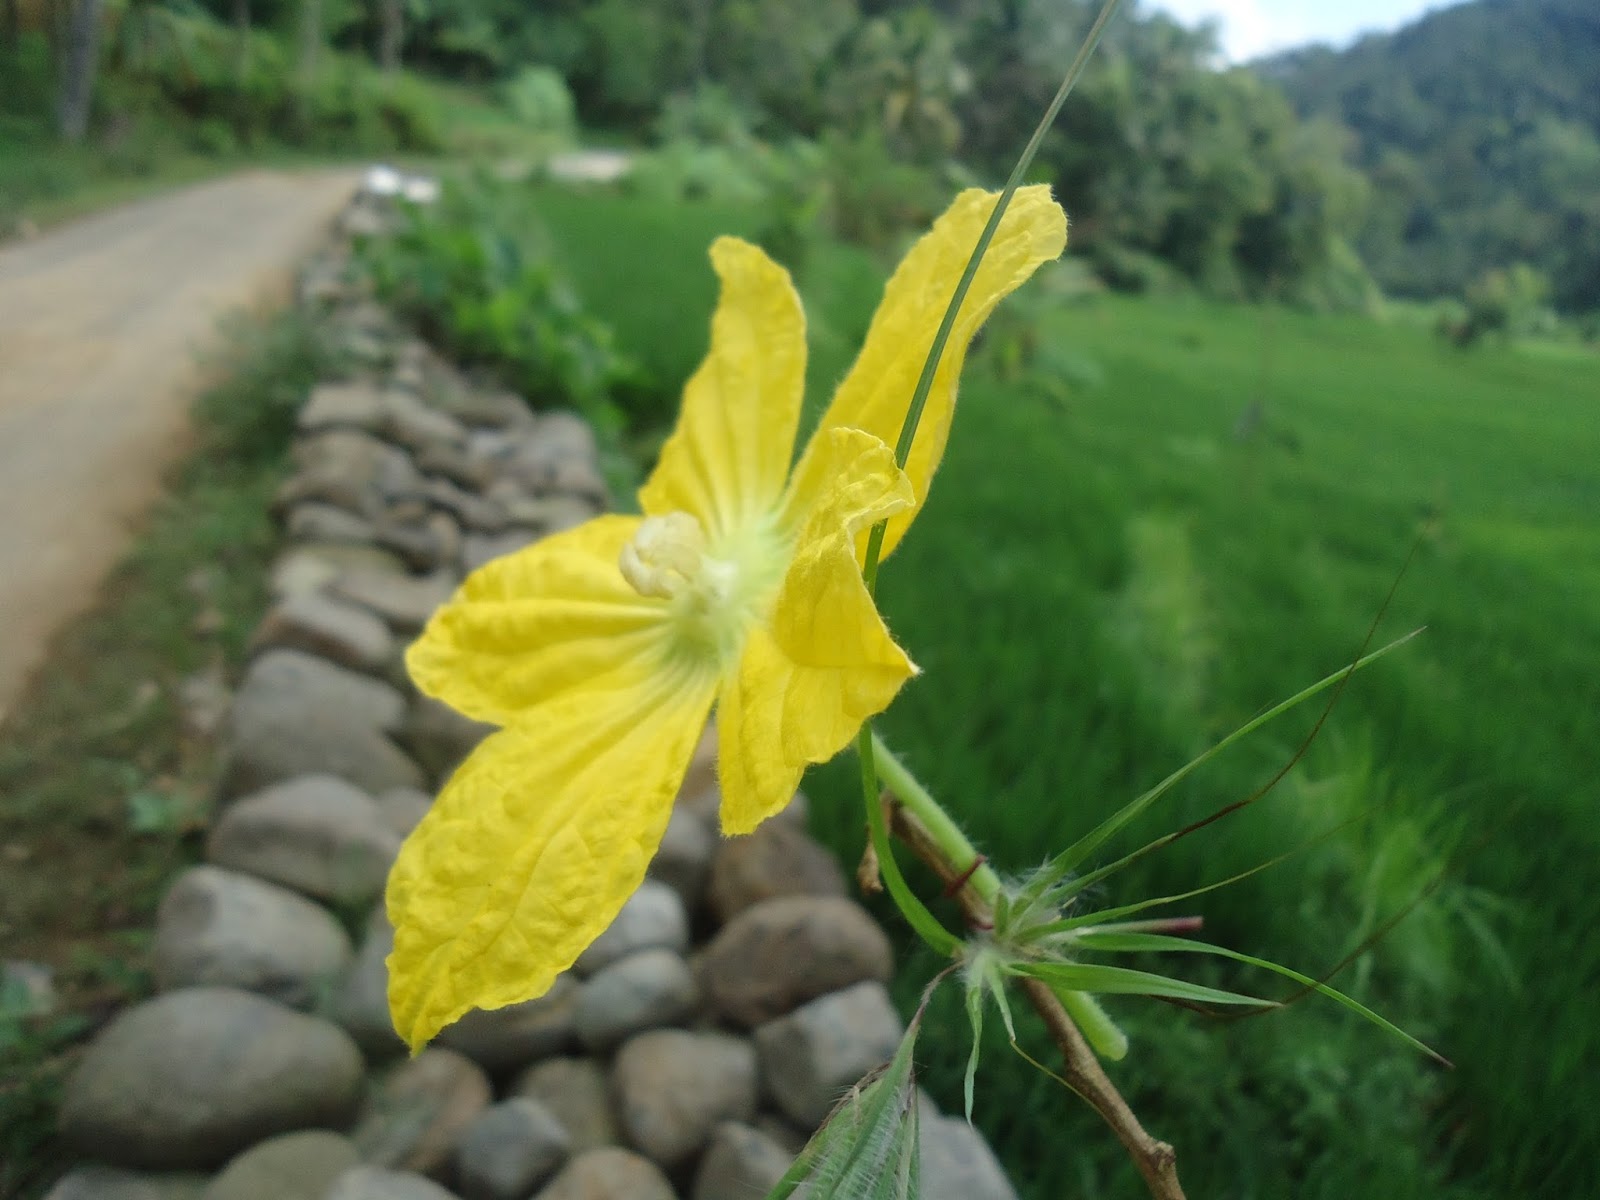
<point>1479,126</point>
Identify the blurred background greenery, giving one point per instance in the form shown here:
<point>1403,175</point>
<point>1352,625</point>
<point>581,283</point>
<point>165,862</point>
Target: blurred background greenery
<point>1317,311</point>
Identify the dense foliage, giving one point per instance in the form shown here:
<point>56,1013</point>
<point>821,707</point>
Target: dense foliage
<point>1479,128</point>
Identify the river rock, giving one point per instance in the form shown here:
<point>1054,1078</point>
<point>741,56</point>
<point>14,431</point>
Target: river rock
<point>419,1111</point>
<point>349,470</point>
<point>780,953</point>
<point>957,1163</point>
<point>778,859</point>
<point>357,405</point>
<point>739,1163</point>
<point>314,521</point>
<point>653,918</point>
<point>511,1149</point>
<point>404,808</point>
<point>405,602</point>
<point>643,991</point>
<point>509,1038</point>
<point>332,629</point>
<point>296,714</point>
<point>221,927</point>
<point>311,568</point>
<point>317,834</point>
<point>361,1001</point>
<point>683,860</point>
<point>609,1173</point>
<point>811,1056</point>
<point>291,1166</point>
<point>380,1183</point>
<point>194,1076</point>
<point>439,737</point>
<point>673,1087</point>
<point>575,1090</point>
<point>481,548</point>
<point>111,1183</point>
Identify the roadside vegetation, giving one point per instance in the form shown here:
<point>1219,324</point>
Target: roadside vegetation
<point>107,762</point>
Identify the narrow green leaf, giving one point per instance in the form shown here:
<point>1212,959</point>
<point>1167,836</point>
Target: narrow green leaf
<point>1093,977</point>
<point>1128,943</point>
<point>1069,859</point>
<point>975,991</point>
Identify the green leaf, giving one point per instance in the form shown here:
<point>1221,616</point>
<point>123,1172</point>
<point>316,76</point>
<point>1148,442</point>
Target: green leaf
<point>1095,978</point>
<point>1128,943</point>
<point>975,991</point>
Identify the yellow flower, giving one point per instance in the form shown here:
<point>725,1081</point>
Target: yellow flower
<point>601,651</point>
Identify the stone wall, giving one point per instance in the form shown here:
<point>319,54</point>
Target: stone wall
<point>691,1050</point>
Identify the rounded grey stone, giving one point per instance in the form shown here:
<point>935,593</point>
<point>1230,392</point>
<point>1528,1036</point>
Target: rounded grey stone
<point>577,1092</point>
<point>217,927</point>
<point>780,953</point>
<point>292,1166</point>
<point>511,1149</point>
<point>191,1077</point>
<point>778,859</point>
<point>509,1038</point>
<point>653,918</point>
<point>643,991</point>
<point>113,1183</point>
<point>683,860</point>
<point>316,834</point>
<point>811,1056</point>
<point>674,1087</point>
<point>609,1173</point>
<point>957,1163</point>
<point>418,1112</point>
<point>380,1183</point>
<point>296,714</point>
<point>739,1163</point>
<point>332,629</point>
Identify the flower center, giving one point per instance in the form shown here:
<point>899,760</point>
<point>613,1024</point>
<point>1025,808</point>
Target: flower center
<point>715,592</point>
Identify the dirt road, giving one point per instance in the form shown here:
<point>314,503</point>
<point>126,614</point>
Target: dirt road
<point>100,323</point>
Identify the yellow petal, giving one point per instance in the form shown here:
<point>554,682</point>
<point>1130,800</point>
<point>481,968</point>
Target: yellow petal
<point>727,460</point>
<point>876,394</point>
<point>824,662</point>
<point>531,626</point>
<point>532,848</point>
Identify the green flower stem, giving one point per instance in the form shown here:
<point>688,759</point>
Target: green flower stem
<point>916,912</point>
<point>946,834</point>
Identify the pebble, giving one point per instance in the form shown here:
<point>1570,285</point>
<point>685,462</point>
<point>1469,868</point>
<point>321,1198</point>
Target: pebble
<point>739,1163</point>
<point>221,927</point>
<point>673,1087</point>
<point>340,632</point>
<point>778,859</point>
<point>315,521</point>
<point>292,1166</point>
<point>316,834</point>
<point>439,737</point>
<point>361,1000</point>
<point>957,1163</point>
<point>577,1092</point>
<point>296,714</point>
<point>380,1183</point>
<point>112,1183</point>
<point>404,601</point>
<point>653,918</point>
<point>507,1039</point>
<point>403,808</point>
<point>683,861</point>
<point>419,1110</point>
<point>510,1149</point>
<point>780,953</point>
<point>811,1056</point>
<point>642,991</point>
<point>609,1173</point>
<point>192,1077</point>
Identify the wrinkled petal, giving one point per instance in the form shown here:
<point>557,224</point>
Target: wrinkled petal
<point>532,848</point>
<point>549,619</point>
<point>876,394</point>
<point>726,461</point>
<point>824,662</point>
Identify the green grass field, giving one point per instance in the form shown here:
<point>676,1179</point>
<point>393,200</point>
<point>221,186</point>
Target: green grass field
<point>1177,515</point>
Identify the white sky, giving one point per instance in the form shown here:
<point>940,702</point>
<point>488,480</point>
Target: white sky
<point>1253,27</point>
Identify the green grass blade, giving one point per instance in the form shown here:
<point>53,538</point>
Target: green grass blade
<point>1107,981</point>
<point>1058,867</point>
<point>1127,943</point>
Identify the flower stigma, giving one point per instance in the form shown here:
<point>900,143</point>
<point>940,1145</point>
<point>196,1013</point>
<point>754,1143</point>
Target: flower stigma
<point>715,593</point>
